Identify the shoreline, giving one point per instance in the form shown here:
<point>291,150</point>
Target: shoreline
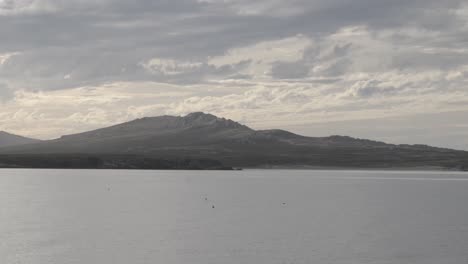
<point>271,168</point>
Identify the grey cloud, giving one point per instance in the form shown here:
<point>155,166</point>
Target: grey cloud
<point>372,88</point>
<point>443,60</point>
<point>5,92</point>
<point>65,44</point>
<point>335,60</point>
<point>194,72</point>
<point>338,51</point>
<point>367,58</point>
<point>290,70</point>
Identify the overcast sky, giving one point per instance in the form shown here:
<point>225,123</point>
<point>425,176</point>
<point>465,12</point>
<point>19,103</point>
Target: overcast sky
<point>392,70</point>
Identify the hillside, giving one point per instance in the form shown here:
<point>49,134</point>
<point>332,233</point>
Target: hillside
<point>200,136</point>
<point>7,139</point>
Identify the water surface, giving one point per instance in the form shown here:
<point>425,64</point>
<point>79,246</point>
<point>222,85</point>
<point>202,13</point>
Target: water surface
<point>259,216</point>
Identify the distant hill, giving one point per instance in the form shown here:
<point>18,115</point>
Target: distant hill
<point>7,139</point>
<point>199,136</point>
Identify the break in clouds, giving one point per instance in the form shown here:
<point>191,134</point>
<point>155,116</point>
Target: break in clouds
<point>387,70</point>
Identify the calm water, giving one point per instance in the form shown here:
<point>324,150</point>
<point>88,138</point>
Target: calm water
<point>259,217</point>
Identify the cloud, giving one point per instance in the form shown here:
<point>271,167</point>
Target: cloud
<point>100,41</point>
<point>16,7</point>
<point>77,65</point>
<point>290,70</point>
<point>72,110</point>
<point>6,56</point>
<point>368,88</point>
<point>192,72</point>
<point>5,93</point>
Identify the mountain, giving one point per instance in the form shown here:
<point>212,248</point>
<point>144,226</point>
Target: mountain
<point>204,138</point>
<point>7,139</point>
<point>146,136</point>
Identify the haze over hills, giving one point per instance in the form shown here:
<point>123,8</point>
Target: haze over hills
<point>7,139</point>
<point>205,137</point>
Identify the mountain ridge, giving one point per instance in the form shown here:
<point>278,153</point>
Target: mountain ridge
<point>204,136</point>
<point>8,139</point>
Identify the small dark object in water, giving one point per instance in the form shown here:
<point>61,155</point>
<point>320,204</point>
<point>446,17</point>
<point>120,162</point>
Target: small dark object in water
<point>284,203</point>
<point>213,207</point>
<point>206,199</point>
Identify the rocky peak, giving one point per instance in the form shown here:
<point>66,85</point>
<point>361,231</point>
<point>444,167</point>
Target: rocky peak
<point>203,119</point>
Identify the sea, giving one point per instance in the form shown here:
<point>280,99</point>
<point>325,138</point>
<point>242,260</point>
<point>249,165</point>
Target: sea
<point>227,217</point>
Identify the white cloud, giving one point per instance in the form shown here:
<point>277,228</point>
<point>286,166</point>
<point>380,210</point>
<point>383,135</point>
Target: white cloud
<point>48,114</point>
<point>255,61</point>
<point>170,67</point>
<point>260,104</point>
<point>264,54</point>
<point>6,56</point>
<point>14,7</point>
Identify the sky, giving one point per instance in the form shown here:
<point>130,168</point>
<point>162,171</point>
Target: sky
<point>395,71</point>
